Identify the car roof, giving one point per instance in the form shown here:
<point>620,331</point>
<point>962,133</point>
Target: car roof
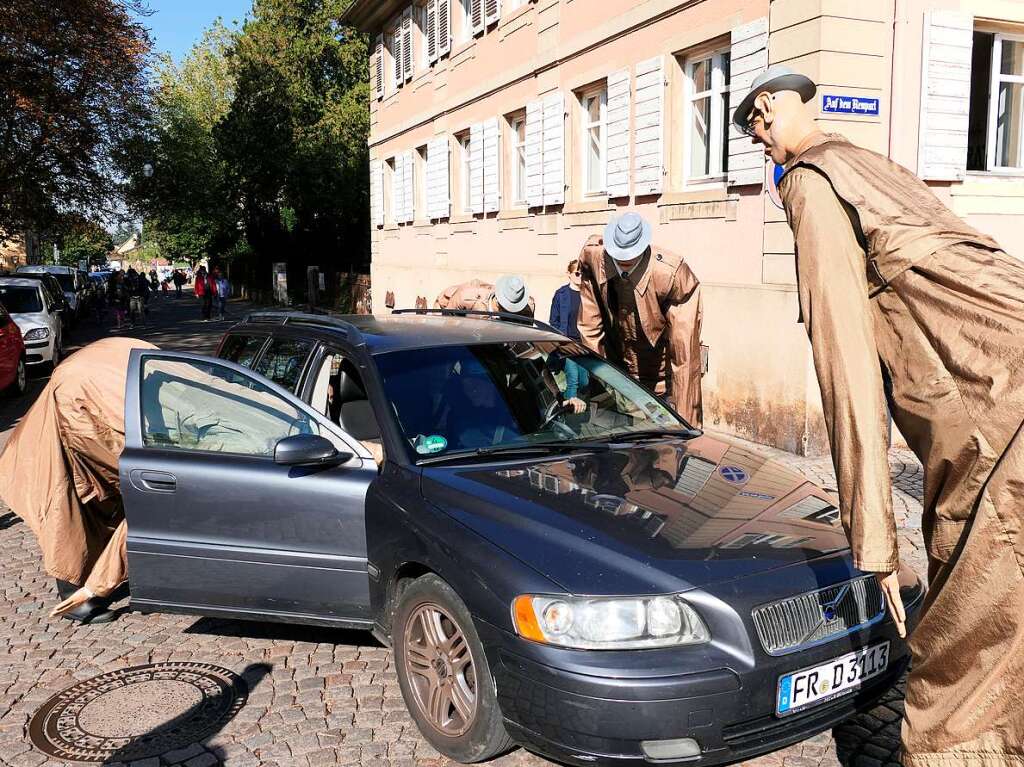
<point>395,332</point>
<point>46,269</point>
<point>20,282</point>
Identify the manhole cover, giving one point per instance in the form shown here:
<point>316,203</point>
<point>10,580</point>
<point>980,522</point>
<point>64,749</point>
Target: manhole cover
<point>137,712</point>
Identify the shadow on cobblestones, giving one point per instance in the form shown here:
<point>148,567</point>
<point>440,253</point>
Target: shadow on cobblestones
<point>281,632</point>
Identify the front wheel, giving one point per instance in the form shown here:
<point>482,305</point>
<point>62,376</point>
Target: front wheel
<point>20,383</point>
<point>444,675</point>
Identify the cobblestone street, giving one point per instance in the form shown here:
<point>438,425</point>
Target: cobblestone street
<point>315,696</point>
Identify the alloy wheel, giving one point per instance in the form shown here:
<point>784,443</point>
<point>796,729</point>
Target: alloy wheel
<point>21,378</point>
<point>440,666</point>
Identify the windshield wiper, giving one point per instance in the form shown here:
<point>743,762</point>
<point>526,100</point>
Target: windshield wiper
<point>542,448</point>
<point>644,434</point>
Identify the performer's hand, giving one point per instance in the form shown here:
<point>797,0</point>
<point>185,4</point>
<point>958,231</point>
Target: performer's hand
<point>890,583</point>
<point>77,599</point>
<point>576,405</point>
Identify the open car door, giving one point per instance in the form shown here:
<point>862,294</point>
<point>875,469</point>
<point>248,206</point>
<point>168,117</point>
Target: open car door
<point>215,525</point>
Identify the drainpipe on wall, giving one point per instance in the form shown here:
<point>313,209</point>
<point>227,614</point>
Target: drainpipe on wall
<point>892,72</point>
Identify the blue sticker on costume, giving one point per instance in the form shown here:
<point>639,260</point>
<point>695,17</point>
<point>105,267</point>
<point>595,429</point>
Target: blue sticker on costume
<point>435,443</point>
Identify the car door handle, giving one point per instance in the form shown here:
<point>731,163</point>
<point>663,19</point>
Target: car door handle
<point>154,481</point>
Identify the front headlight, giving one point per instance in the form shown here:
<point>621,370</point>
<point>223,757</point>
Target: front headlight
<point>608,623</point>
<point>37,334</point>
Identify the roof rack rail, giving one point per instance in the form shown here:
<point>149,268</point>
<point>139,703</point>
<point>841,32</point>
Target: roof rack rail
<point>519,319</point>
<point>283,317</point>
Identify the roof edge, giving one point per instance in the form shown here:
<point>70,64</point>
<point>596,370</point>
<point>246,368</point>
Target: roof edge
<point>371,15</point>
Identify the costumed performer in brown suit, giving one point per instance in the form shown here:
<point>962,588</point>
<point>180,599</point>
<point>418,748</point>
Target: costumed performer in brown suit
<point>508,295</point>
<point>640,307</point>
<point>904,302</point>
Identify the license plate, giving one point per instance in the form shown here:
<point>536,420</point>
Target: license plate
<point>830,680</point>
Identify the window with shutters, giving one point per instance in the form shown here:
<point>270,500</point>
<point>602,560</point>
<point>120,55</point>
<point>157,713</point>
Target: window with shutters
<point>389,192</point>
<point>594,138</point>
<point>517,159</point>
<point>464,170</point>
<point>394,64</point>
<point>419,16</point>
<point>706,117</point>
<point>995,139</point>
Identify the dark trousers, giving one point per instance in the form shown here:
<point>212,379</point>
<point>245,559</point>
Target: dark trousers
<point>207,305</point>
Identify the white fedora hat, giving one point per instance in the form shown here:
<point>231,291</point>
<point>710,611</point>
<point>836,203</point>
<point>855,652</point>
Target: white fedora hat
<point>627,236</point>
<point>775,78</point>
<point>511,294</point>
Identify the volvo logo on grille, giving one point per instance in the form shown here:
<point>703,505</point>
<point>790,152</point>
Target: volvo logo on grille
<point>829,612</point>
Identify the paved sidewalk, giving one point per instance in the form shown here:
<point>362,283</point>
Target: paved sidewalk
<point>316,696</point>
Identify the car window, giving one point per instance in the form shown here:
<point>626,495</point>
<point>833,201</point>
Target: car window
<point>20,299</point>
<point>284,360</point>
<point>242,349</point>
<point>195,405</point>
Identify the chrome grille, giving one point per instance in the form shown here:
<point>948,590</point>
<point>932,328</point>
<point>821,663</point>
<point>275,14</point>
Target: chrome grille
<point>818,616</point>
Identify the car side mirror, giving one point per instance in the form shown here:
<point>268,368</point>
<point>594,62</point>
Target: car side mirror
<point>308,450</point>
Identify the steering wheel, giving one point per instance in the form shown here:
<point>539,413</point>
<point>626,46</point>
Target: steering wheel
<point>555,409</point>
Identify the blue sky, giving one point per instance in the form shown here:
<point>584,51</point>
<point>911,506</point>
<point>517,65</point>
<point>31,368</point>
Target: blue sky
<point>176,25</point>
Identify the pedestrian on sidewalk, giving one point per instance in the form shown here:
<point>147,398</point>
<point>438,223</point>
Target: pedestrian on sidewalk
<point>179,279</point>
<point>223,293</point>
<point>117,297</point>
<point>907,305</point>
<point>205,290</point>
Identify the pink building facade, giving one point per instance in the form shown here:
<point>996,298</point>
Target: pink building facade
<point>505,132</point>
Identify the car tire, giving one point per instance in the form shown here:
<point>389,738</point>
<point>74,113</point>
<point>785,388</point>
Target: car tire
<point>20,383</point>
<point>57,355</point>
<point>444,675</point>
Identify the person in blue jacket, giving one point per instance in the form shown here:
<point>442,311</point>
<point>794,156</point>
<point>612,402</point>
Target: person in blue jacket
<point>565,308</point>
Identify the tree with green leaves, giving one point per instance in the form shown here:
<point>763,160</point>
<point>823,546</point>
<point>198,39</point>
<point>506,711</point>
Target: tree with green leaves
<point>84,240</point>
<point>294,139</point>
<point>72,94</point>
<point>179,180</point>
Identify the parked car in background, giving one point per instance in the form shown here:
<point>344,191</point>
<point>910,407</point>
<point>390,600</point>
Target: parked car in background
<point>603,584</point>
<point>38,316</point>
<point>71,281</point>
<point>13,369</point>
<point>55,292</point>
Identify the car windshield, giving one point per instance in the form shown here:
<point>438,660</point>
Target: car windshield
<point>20,299</point>
<point>66,281</point>
<point>462,399</point>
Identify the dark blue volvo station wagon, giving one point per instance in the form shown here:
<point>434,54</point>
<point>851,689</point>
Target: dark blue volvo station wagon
<point>587,576</point>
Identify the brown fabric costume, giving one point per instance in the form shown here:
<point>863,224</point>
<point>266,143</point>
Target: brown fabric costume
<point>888,274</point>
<point>59,471</point>
<point>475,296</point>
<point>649,321</point>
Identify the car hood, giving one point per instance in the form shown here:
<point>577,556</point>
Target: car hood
<point>26,322</point>
<point>648,518</point>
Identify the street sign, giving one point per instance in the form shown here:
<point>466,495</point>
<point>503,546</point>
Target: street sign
<point>850,105</point>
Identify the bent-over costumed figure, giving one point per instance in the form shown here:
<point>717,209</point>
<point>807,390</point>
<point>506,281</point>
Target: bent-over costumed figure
<point>508,295</point>
<point>640,307</point>
<point>888,274</point>
<point>59,473</point>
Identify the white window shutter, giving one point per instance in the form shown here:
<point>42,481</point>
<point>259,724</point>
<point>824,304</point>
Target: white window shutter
<point>476,168</point>
<point>554,148</point>
<point>378,68</point>
<point>535,154</point>
<point>431,32</point>
<point>407,61</point>
<point>493,9</point>
<point>444,27</point>
<point>748,58</point>
<point>648,161</point>
<point>618,133</point>
<point>410,186</point>
<point>492,166</point>
<point>376,193</point>
<point>396,56</point>
<point>945,95</point>
<point>476,16</point>
<point>438,178</point>
<point>398,190</point>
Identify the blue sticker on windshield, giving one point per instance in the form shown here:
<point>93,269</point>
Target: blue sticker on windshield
<point>435,443</point>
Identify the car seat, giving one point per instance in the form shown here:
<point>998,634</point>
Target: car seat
<point>355,413</point>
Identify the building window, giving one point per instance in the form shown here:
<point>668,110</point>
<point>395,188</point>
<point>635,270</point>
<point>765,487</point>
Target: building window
<point>593,142</point>
<point>465,21</point>
<point>389,191</point>
<point>707,117</point>
<point>464,173</point>
<point>419,16</point>
<point>996,129</point>
<point>517,159</point>
<point>394,46</point>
